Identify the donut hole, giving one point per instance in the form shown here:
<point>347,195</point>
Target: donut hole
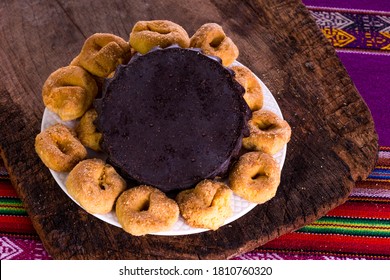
<point>218,197</point>
<point>64,147</point>
<point>212,198</point>
<point>163,32</point>
<point>145,206</point>
<point>211,201</point>
<point>101,181</point>
<point>258,175</point>
<point>266,126</point>
<point>97,47</point>
<point>204,194</point>
<point>141,204</point>
<point>216,41</point>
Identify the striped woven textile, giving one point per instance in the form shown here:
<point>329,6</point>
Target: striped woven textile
<point>357,229</point>
<point>18,238</point>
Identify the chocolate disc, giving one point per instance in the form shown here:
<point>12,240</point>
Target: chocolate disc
<point>171,118</point>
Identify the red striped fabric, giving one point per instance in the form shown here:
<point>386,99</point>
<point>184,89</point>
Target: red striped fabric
<point>365,208</point>
<point>6,189</point>
<point>16,225</point>
<point>372,248</point>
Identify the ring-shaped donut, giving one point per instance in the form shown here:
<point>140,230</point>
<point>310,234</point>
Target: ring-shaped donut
<point>211,38</point>
<point>255,177</point>
<point>95,185</point>
<point>207,205</point>
<point>58,148</point>
<point>69,92</point>
<point>268,132</point>
<point>102,53</point>
<point>146,35</point>
<point>86,130</point>
<point>143,209</point>
<point>253,92</point>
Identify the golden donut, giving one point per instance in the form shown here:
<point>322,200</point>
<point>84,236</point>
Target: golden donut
<point>99,80</point>
<point>58,148</point>
<point>75,61</point>
<point>255,177</point>
<point>69,92</point>
<point>253,93</point>
<point>144,209</point>
<point>95,185</point>
<point>207,205</point>
<point>268,132</point>
<point>86,130</point>
<point>148,34</point>
<point>102,53</point>
<point>211,38</point>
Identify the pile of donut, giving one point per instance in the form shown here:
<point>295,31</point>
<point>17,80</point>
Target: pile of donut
<point>70,91</point>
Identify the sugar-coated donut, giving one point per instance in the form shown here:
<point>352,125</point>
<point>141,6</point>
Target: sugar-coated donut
<point>268,132</point>
<point>58,148</point>
<point>207,205</point>
<point>69,92</point>
<point>253,92</point>
<point>163,33</point>
<point>255,177</point>
<point>95,185</point>
<point>102,53</point>
<point>86,130</point>
<point>211,38</point>
<point>144,209</point>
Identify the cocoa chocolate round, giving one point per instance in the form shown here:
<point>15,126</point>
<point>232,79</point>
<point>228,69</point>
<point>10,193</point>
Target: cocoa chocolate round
<point>171,118</point>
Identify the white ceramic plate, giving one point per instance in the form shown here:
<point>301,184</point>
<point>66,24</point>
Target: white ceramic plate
<point>239,205</point>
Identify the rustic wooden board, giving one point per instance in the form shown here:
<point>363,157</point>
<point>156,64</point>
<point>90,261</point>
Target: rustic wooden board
<point>334,142</point>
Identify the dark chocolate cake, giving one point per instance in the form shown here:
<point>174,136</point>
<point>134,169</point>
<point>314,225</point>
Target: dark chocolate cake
<point>171,118</point>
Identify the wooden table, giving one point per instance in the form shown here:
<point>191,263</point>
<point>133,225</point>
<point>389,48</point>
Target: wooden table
<point>333,144</point>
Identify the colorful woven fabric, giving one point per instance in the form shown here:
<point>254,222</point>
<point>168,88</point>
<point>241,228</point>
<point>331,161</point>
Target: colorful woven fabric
<point>18,238</point>
<point>355,30</point>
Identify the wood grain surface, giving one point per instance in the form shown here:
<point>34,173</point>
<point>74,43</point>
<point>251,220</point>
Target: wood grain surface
<point>333,143</point>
